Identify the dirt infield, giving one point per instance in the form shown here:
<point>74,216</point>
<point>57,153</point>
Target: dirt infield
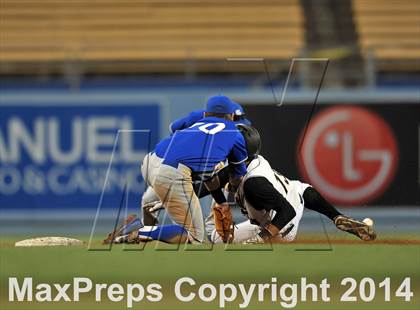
<point>300,241</point>
<point>359,242</point>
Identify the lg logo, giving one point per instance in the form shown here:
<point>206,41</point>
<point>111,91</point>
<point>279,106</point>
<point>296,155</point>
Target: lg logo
<point>349,154</point>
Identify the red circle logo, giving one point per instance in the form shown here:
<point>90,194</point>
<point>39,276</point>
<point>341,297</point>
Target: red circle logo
<point>349,154</point>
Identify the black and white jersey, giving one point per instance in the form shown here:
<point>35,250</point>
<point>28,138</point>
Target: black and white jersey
<point>290,190</point>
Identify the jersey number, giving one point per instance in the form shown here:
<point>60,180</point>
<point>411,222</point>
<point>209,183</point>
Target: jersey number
<point>204,127</point>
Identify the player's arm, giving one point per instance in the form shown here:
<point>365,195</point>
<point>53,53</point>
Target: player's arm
<point>186,121</point>
<point>262,195</point>
<point>178,124</point>
<point>216,191</point>
<point>222,179</point>
<point>237,160</point>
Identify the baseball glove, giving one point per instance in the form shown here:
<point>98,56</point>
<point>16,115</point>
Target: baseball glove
<point>224,222</point>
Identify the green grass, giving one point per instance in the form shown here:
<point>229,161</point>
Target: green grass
<point>129,264</point>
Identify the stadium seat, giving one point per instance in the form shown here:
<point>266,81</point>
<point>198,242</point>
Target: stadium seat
<point>149,30</point>
<point>390,31</point>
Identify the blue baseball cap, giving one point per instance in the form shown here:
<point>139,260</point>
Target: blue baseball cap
<point>239,117</point>
<point>239,110</point>
<point>220,104</point>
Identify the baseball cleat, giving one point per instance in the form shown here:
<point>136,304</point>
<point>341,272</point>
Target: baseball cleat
<point>130,224</point>
<point>132,238</point>
<point>120,239</point>
<point>359,229</point>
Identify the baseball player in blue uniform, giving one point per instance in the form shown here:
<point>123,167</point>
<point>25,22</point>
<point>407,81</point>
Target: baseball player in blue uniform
<point>198,149</point>
<point>150,202</point>
<point>149,197</point>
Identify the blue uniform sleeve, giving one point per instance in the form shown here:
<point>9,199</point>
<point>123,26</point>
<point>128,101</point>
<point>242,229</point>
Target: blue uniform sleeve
<point>186,121</point>
<point>238,156</point>
<point>178,124</point>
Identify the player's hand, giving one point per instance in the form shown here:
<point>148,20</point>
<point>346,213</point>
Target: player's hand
<point>223,221</point>
<point>153,206</point>
<point>233,184</point>
<point>157,206</point>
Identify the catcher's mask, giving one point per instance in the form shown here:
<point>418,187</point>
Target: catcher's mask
<point>252,139</point>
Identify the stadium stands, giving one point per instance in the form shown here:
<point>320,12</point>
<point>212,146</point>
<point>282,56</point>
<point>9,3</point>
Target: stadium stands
<point>148,30</point>
<point>390,30</point>
<point>164,36</point>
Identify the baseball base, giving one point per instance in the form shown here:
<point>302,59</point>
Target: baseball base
<point>48,241</point>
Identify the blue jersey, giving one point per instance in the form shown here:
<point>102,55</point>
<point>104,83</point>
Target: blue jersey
<point>186,121</point>
<point>205,144</point>
<point>193,118</point>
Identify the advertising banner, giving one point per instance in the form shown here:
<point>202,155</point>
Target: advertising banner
<point>75,154</point>
<point>355,154</point>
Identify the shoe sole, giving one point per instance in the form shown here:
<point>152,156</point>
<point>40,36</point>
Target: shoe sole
<point>359,229</point>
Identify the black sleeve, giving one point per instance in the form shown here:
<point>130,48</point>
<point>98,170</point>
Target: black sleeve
<point>262,195</point>
<point>202,191</point>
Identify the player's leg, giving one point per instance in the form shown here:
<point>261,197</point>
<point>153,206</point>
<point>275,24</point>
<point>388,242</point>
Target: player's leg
<point>149,196</point>
<point>243,231</point>
<point>175,190</point>
<point>167,185</point>
<point>149,211</point>
<point>289,235</point>
<point>286,234</point>
<point>290,232</point>
<point>150,167</point>
<point>130,224</point>
<point>209,224</point>
<point>149,201</point>
<point>173,234</point>
<point>314,201</point>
